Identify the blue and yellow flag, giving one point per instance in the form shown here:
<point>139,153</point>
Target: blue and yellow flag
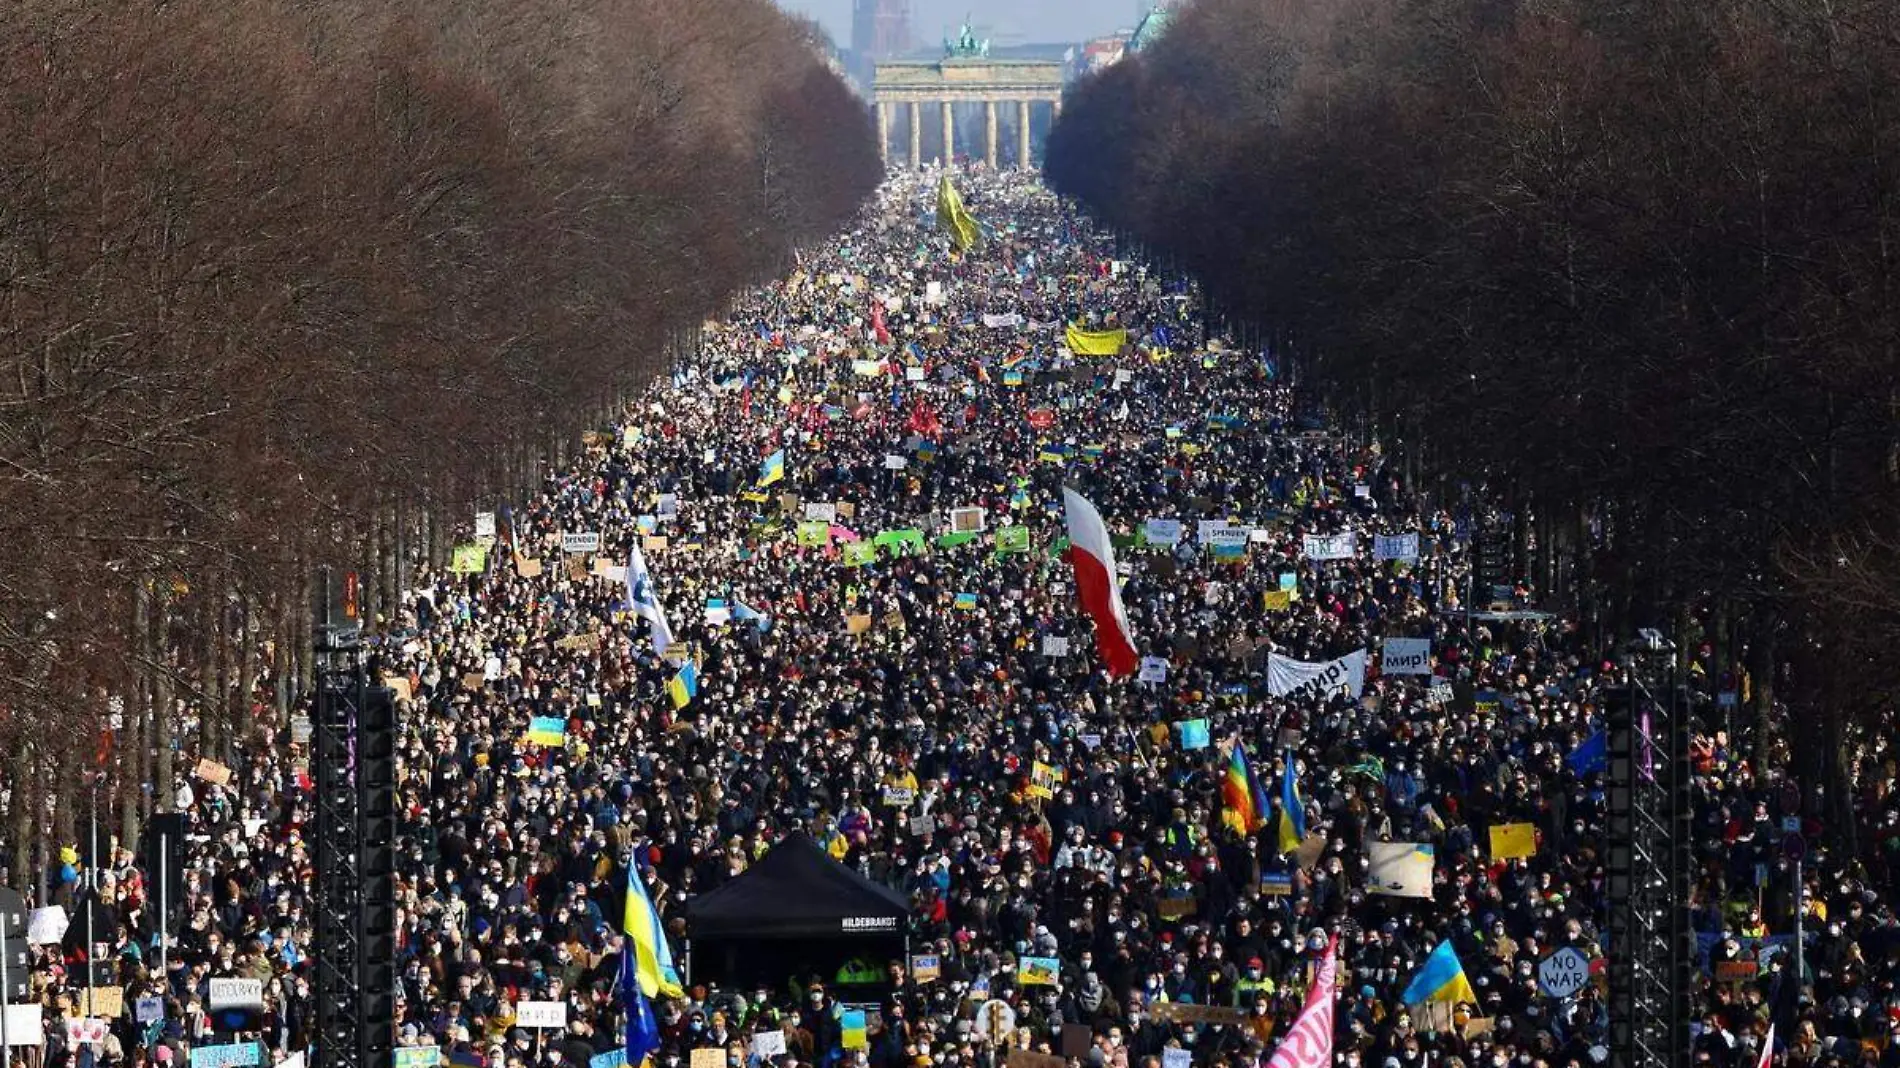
<point>1441,979</point>
<point>653,969</point>
<point>952,216</point>
<point>1292,829</point>
<point>547,731</point>
<point>773,469</point>
<point>683,687</point>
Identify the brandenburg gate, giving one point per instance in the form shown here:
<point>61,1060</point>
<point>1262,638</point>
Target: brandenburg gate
<point>965,75</point>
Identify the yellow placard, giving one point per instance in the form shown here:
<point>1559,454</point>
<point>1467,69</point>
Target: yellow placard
<point>1513,841</point>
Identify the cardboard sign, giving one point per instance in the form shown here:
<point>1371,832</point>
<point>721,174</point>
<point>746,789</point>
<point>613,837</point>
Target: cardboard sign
<point>1174,908</point>
<point>103,1001</point>
<point>1022,1058</point>
<point>922,825</point>
<point>968,520</point>
<point>709,1057</point>
<point>768,1044</point>
<point>1186,1012</point>
<point>527,567</point>
<point>1077,1038</point>
<point>925,967</point>
<point>212,772</point>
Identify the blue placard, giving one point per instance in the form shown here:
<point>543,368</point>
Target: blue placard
<point>232,1055</point>
<point>613,1058</point>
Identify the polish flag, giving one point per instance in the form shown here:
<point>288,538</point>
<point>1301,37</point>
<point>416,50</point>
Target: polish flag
<point>1309,1042</point>
<point>1094,560</point>
<point>1767,1048</point>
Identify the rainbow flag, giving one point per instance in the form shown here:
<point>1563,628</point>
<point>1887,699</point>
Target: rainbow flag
<point>1246,805</point>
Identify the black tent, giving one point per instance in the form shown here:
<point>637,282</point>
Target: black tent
<point>812,912</point>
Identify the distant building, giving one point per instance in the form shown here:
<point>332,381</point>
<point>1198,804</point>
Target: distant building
<point>880,30</point>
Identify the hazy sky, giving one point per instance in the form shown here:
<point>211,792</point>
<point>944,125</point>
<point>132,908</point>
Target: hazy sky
<point>1007,21</point>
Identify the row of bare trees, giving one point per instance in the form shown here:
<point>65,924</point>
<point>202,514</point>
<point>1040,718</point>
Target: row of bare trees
<point>1631,266</point>
<point>285,282</point>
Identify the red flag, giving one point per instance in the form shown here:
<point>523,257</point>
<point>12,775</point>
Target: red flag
<point>1095,582</point>
<point>877,323</point>
<point>1767,1048</point>
<point>1309,1042</point>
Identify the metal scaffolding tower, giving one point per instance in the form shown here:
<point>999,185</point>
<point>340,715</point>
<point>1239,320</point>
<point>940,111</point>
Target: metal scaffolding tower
<point>1650,948</point>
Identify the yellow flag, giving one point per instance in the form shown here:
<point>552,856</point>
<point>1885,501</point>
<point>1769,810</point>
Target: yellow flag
<point>952,216</point>
<point>1095,342</point>
<point>1513,841</point>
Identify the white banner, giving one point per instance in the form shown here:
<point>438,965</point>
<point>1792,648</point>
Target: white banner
<point>1395,547</point>
<point>1002,322</point>
<point>1330,546</point>
<point>1400,869</point>
<point>550,1015</point>
<point>235,993</point>
<point>1406,656</point>
<point>1287,677</point>
<point>1153,669</point>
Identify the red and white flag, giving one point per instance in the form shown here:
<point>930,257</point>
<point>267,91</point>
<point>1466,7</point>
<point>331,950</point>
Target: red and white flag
<point>1309,1042</point>
<point>1767,1048</point>
<point>1095,581</point>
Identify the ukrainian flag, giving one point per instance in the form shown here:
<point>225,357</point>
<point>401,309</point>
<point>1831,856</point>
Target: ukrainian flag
<point>1292,812</point>
<point>952,217</point>
<point>773,469</point>
<point>654,973</point>
<point>1246,809</point>
<point>547,731</point>
<point>1441,979</point>
<point>684,686</point>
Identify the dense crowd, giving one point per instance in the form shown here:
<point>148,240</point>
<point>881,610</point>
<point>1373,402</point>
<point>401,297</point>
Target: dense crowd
<point>900,380</point>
